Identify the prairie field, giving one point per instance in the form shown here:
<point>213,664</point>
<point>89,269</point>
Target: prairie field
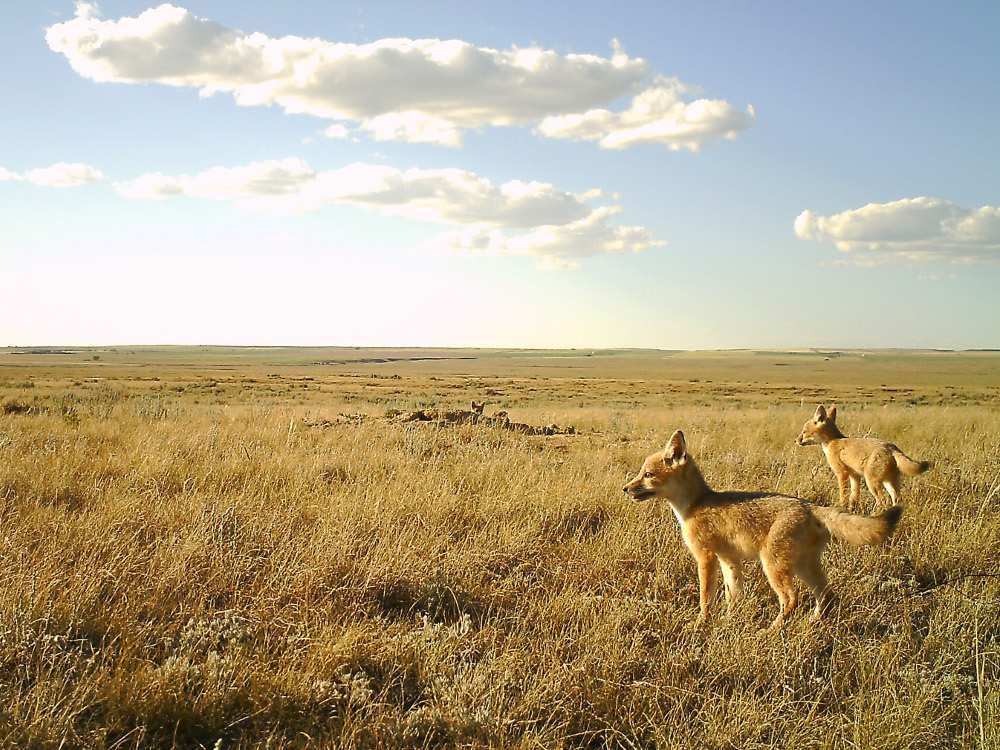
<point>200,551</point>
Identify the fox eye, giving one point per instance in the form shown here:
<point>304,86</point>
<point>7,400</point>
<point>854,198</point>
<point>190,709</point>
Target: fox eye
<point>649,475</point>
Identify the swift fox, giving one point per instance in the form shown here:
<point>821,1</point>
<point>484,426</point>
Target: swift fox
<point>880,463</point>
<point>724,529</point>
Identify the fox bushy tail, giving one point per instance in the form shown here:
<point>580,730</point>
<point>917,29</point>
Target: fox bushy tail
<point>859,530</point>
<point>907,465</point>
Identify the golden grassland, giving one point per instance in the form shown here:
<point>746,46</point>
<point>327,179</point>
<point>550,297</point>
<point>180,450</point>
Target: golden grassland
<point>188,563</point>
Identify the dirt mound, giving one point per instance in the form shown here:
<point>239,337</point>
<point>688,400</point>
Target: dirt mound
<point>449,418</point>
<point>476,415</point>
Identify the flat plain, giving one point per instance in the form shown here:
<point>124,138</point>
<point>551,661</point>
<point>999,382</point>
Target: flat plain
<point>234,547</point>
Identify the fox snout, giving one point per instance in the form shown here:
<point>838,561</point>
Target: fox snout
<point>637,492</point>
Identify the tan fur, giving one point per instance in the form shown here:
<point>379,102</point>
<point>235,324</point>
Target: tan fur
<point>724,529</point>
<point>858,530</point>
<point>878,462</point>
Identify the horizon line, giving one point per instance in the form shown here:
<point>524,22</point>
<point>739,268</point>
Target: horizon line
<point>45,348</point>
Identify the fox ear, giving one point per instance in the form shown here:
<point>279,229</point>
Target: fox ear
<point>676,448</point>
<point>831,415</point>
<point>820,414</point>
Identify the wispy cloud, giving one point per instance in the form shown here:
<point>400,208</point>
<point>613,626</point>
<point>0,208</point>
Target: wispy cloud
<point>61,175</point>
<point>416,90</point>
<point>513,218</point>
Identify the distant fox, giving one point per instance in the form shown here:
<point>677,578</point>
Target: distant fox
<point>724,529</point>
<point>880,463</point>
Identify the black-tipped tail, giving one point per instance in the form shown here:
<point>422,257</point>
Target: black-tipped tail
<point>892,517</point>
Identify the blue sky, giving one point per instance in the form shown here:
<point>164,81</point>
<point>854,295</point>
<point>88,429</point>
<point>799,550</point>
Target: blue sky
<point>851,107</point>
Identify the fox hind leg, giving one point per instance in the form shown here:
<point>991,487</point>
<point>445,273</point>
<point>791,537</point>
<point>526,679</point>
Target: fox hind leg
<point>732,576</point>
<point>875,487</point>
<point>892,490</point>
<point>779,575</point>
<point>810,570</point>
<point>879,469</point>
<point>890,481</point>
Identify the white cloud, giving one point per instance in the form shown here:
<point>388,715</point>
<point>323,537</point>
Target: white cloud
<point>918,229</point>
<point>559,246</point>
<point>258,180</point>
<point>338,131</point>
<point>413,127</point>
<point>513,218</point>
<point>61,175</point>
<point>657,115</point>
<point>418,90</point>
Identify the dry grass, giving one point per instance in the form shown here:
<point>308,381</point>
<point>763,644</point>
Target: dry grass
<point>186,564</point>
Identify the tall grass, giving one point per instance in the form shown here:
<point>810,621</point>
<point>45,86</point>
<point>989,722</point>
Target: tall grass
<point>181,574</point>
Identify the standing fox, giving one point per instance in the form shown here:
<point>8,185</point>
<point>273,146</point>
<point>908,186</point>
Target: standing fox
<point>724,529</point>
<point>880,463</point>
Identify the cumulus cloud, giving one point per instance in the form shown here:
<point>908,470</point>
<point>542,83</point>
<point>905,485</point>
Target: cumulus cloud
<point>558,246</point>
<point>61,175</point>
<point>657,115</point>
<point>919,229</point>
<point>417,90</point>
<point>513,218</point>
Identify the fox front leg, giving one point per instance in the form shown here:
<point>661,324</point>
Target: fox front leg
<point>842,486</point>
<point>708,585</point>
